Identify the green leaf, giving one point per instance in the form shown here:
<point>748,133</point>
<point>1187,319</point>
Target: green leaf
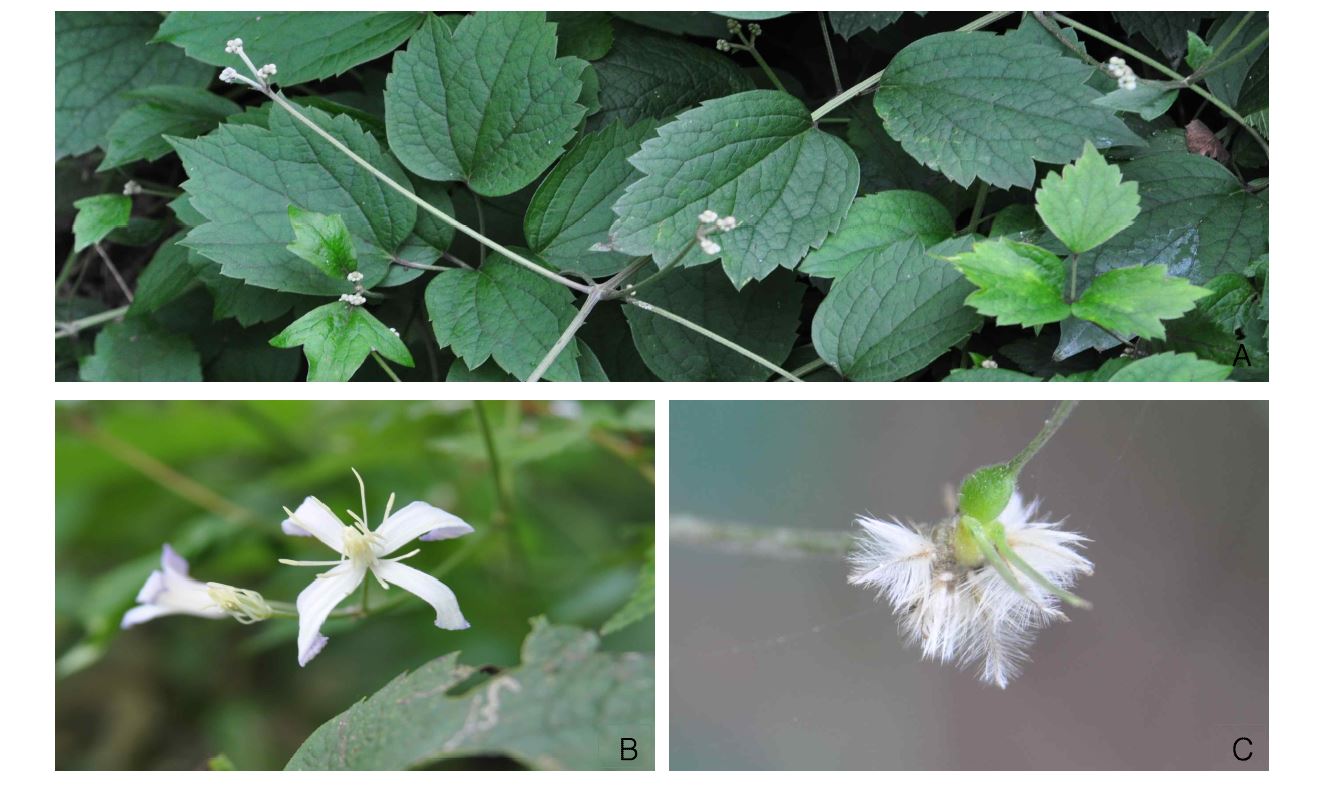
<point>1231,301</point>
<point>571,209</point>
<point>641,604</point>
<point>895,313</point>
<point>1197,52</point>
<point>97,216</point>
<point>140,350</point>
<point>1228,83</point>
<point>323,240</point>
<point>1149,100</point>
<point>489,104</point>
<point>763,317</point>
<point>161,110</point>
<point>1134,301</point>
<point>167,275</point>
<point>305,45</point>
<point>1172,367</point>
<point>884,165</point>
<point>848,24</point>
<point>99,56</point>
<point>243,178</point>
<point>1087,204</point>
<point>755,155</point>
<point>505,312</point>
<point>874,223</point>
<point>337,338</point>
<point>651,76</point>
<point>989,374</point>
<point>583,34</point>
<point>1166,30</point>
<point>247,304</point>
<point>1017,283</point>
<point>564,707</point>
<point>977,105</point>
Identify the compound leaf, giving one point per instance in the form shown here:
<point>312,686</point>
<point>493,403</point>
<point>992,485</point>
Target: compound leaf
<point>557,710</point>
<point>243,178</point>
<point>875,222</point>
<point>1087,203</point>
<point>895,313</point>
<point>337,337</point>
<point>1134,301</point>
<point>979,105</point>
<point>1017,283</point>
<point>757,156</point>
<point>489,104</point>
<point>304,45</point>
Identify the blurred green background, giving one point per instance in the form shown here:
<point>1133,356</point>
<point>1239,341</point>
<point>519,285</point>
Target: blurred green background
<point>563,520</point>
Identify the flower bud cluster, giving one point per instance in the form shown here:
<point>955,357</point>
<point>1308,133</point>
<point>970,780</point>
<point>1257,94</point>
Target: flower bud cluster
<point>710,222</point>
<point>1125,75</point>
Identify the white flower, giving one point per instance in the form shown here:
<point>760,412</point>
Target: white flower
<point>726,223</point>
<point>394,331</point>
<point>132,188</point>
<point>353,299</point>
<point>962,614</point>
<point>363,549</point>
<point>355,277</point>
<point>1129,82</point>
<point>234,45</point>
<point>707,217</point>
<point>171,590</point>
<point>710,247</point>
<point>1116,60</point>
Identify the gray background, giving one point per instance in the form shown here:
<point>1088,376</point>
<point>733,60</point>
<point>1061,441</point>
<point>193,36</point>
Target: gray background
<point>778,664</point>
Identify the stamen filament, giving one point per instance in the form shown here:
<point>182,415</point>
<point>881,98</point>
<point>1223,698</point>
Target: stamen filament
<point>1003,546</point>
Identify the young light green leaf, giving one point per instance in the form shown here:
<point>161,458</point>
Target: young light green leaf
<point>555,710</point>
<point>1087,203</point>
<point>641,604</point>
<point>875,222</point>
<point>571,209</point>
<point>141,350</point>
<point>323,240</point>
<point>895,313</point>
<point>1134,301</point>
<point>756,156</point>
<point>1017,283</point>
<point>97,216</point>
<point>337,338</point>
<point>243,178</point>
<point>1171,366</point>
<point>978,105</point>
<point>160,110</point>
<point>763,318</point>
<point>489,104</point>
<point>99,56</point>
<point>305,45</point>
<point>652,76</point>
<point>506,312</point>
<point>1197,52</point>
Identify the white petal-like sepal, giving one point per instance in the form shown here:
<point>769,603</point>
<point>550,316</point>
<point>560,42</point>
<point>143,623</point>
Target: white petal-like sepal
<point>318,600</point>
<point>315,519</point>
<point>426,587</point>
<point>418,519</point>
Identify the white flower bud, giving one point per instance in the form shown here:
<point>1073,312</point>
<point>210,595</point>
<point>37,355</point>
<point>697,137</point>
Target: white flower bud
<point>353,299</point>
<point>355,277</point>
<point>710,247</point>
<point>132,188</point>
<point>234,45</point>
<point>707,217</point>
<point>229,75</point>
<point>726,223</point>
<point>266,72</point>
<point>990,364</point>
<point>1116,61</point>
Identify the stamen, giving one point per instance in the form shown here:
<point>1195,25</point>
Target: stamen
<point>362,489</point>
<point>390,503</point>
<point>308,563</point>
<point>403,556</point>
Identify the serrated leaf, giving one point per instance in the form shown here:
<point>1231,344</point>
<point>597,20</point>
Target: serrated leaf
<point>989,374</point>
<point>756,156</point>
<point>323,240</point>
<point>305,45</point>
<point>848,24</point>
<point>1087,203</point>
<point>764,318</point>
<point>489,104</point>
<point>1197,52</point>
<point>247,304</point>
<point>978,105</point>
<point>583,34</point>
<point>1172,367</point>
<point>1230,303</point>
<point>1227,83</point>
<point>571,209</point>
<point>140,350</point>
<point>1148,100</point>
<point>641,603</point>
<point>1136,300</point>
<point>337,338</point>
<point>1166,30</point>
<point>243,178</point>
<point>505,312</point>
<point>99,56</point>
<point>651,76</point>
<point>167,275</point>
<point>97,216</point>
<point>883,164</point>
<point>875,222</point>
<point>895,313</point>
<point>1194,217</point>
<point>160,110</point>
<point>1017,283</point>
<point>559,709</point>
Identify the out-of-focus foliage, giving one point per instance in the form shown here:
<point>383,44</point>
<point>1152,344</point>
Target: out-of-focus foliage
<point>569,537</point>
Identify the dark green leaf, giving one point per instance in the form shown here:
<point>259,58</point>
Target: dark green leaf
<point>874,223</point>
<point>140,350</point>
<point>162,110</point>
